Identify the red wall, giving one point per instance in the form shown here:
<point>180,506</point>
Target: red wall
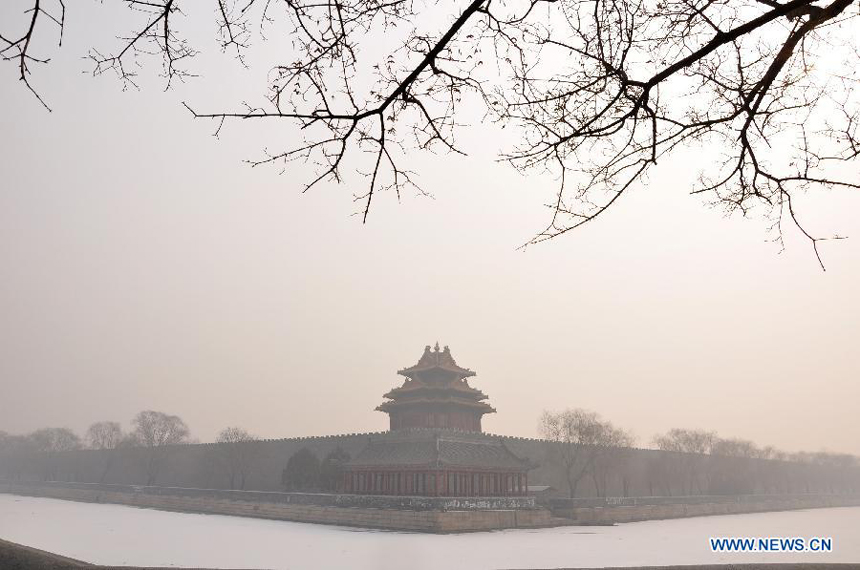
<point>467,421</point>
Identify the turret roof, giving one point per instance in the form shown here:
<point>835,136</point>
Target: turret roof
<point>434,359</point>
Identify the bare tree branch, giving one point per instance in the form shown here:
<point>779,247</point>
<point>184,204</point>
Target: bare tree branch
<point>598,91</point>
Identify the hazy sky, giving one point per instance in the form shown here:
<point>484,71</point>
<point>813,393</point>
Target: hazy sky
<point>144,266</point>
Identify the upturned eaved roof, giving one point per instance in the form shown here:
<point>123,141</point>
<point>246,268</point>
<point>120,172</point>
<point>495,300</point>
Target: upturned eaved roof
<point>435,401</point>
<point>436,449</point>
<point>436,382</point>
<point>436,360</point>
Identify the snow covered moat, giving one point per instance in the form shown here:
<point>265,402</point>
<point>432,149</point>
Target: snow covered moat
<point>122,535</point>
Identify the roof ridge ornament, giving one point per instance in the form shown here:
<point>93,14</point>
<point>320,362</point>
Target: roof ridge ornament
<point>436,395</point>
<point>435,357</point>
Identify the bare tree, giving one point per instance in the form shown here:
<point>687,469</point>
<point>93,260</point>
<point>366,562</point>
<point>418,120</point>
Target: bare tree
<point>238,453</point>
<point>578,438</point>
<point>47,442</point>
<point>51,440</point>
<point>828,472</point>
<point>599,91</point>
<point>107,438</point>
<point>715,465</point>
<point>157,432</point>
<point>613,463</point>
<point>104,435</point>
<point>734,466</point>
<point>660,475</point>
<point>14,449</point>
<point>691,447</point>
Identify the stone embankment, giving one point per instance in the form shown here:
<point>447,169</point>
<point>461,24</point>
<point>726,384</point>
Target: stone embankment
<point>629,509</point>
<point>423,514</point>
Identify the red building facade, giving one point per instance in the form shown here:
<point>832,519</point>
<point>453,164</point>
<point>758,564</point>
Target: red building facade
<point>435,446</point>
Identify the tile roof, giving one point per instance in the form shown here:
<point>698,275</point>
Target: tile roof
<point>438,448</point>
<point>436,360</point>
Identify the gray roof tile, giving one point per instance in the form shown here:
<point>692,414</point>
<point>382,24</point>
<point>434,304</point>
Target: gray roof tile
<point>436,448</point>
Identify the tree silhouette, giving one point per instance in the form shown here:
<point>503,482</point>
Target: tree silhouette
<point>302,472</point>
<point>600,90</point>
<point>238,453</point>
<point>331,469</point>
<point>578,439</point>
<point>107,437</point>
<point>158,434</point>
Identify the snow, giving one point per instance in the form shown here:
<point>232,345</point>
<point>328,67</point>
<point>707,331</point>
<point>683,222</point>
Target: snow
<point>122,535</point>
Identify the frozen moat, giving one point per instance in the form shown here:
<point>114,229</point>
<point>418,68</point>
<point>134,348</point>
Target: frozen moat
<point>122,535</point>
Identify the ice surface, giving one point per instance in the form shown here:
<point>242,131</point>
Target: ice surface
<point>122,535</point>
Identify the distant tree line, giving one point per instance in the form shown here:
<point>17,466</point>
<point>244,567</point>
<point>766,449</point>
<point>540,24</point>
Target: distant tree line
<point>153,434</point>
<point>705,463</point>
<point>585,448</point>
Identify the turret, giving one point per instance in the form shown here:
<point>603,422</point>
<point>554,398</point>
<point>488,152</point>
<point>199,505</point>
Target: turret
<point>436,394</point>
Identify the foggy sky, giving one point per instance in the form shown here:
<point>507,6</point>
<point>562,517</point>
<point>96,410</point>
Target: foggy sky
<point>144,266</point>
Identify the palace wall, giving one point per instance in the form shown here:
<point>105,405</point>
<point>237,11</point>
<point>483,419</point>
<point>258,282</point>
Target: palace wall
<point>630,472</point>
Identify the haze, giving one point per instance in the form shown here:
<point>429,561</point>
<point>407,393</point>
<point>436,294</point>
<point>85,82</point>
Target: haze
<point>146,267</point>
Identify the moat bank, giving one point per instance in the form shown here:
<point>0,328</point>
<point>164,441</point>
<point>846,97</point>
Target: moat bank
<point>632,509</point>
<point>121,535</point>
<point>422,514</point>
